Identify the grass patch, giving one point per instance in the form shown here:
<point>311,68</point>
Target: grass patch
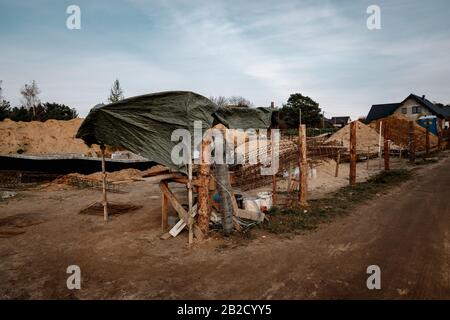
<point>298,220</point>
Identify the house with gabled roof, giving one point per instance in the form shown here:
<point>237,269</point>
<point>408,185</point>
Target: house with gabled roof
<point>413,107</point>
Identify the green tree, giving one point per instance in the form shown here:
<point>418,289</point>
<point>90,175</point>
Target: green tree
<point>116,93</point>
<point>57,111</point>
<point>311,116</point>
<point>30,93</point>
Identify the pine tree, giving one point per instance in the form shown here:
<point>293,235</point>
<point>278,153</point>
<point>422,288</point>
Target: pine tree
<point>116,93</point>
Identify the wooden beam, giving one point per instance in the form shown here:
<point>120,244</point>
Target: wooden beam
<point>182,213</point>
<point>352,176</point>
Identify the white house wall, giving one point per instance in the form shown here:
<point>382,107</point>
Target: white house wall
<point>409,104</point>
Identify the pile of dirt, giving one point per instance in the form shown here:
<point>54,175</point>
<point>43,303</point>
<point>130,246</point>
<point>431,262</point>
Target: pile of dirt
<point>121,175</point>
<point>398,127</point>
<point>49,137</point>
<point>366,137</point>
<point>116,177</point>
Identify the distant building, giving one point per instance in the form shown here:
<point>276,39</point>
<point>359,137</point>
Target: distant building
<point>413,107</point>
<point>340,122</point>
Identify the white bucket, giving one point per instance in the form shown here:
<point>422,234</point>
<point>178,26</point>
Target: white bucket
<point>265,199</point>
<point>252,205</point>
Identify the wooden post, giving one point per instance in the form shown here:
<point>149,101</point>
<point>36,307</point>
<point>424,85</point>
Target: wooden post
<point>386,148</point>
<point>368,157</point>
<point>190,200</point>
<point>302,166</point>
<point>338,160</point>
<point>379,144</point>
<point>352,177</point>
<point>439,134</point>
<point>105,200</point>
<point>274,177</point>
<point>203,189</point>
<point>412,143</point>
<point>164,211</point>
<point>427,139</point>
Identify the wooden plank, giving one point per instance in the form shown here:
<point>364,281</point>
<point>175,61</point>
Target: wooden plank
<point>182,223</point>
<point>182,213</point>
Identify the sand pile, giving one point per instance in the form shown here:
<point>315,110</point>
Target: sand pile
<point>366,137</point>
<point>49,137</point>
<point>399,132</point>
<point>115,176</point>
<point>122,175</point>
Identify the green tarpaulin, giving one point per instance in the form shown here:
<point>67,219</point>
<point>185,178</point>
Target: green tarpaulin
<point>144,124</point>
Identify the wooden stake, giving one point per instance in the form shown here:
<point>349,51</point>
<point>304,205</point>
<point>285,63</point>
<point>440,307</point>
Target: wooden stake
<point>190,200</point>
<point>427,139</point>
<point>274,177</point>
<point>203,189</point>
<point>386,148</point>
<point>164,211</point>
<point>368,157</point>
<point>302,166</point>
<point>412,143</point>
<point>338,160</point>
<point>105,200</point>
<point>379,145</point>
<point>352,177</point>
<point>439,134</point>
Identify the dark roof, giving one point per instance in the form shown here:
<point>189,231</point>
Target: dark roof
<point>340,120</point>
<point>443,112</point>
<point>379,111</point>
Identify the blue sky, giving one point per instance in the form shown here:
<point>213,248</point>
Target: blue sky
<point>262,50</point>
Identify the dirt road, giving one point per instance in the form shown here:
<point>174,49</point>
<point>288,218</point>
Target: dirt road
<point>406,232</point>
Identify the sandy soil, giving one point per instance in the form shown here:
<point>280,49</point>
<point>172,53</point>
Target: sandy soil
<point>406,233</point>
<point>49,137</point>
<point>325,181</point>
